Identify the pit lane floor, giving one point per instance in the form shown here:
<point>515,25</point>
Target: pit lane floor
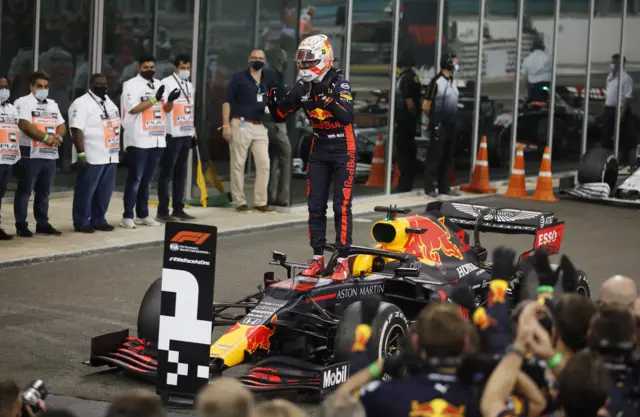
<point>49,312</point>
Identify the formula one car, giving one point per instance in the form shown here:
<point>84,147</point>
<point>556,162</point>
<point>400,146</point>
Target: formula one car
<point>296,334</point>
<point>601,179</point>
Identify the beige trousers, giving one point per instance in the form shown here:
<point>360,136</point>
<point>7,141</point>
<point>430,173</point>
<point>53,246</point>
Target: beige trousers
<point>242,138</point>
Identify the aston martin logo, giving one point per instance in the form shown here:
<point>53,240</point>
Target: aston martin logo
<point>499,215</point>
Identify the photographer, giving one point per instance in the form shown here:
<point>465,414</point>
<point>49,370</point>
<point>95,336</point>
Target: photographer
<point>612,336</point>
<point>440,334</point>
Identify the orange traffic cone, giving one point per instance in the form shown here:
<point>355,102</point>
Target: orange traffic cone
<point>480,178</point>
<point>396,176</point>
<point>544,187</point>
<point>377,174</point>
<point>517,187</point>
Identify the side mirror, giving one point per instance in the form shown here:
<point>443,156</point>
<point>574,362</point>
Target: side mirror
<point>279,257</point>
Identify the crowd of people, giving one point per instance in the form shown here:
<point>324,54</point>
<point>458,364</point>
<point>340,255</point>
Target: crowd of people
<point>545,350</point>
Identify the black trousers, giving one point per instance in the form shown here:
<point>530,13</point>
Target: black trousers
<point>331,160</point>
<point>628,140</point>
<point>439,158</point>
<point>406,151</point>
<point>173,168</point>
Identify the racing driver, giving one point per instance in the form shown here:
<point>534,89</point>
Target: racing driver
<point>326,99</point>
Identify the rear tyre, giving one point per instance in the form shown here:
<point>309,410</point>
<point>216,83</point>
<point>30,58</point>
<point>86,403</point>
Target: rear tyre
<point>149,313</point>
<point>388,330</point>
<point>598,165</point>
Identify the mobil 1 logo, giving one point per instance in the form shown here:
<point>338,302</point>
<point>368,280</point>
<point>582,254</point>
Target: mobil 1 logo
<point>184,335</point>
<point>334,375</point>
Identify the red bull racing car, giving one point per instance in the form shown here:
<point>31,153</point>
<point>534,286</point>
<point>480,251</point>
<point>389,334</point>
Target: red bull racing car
<point>296,333</point>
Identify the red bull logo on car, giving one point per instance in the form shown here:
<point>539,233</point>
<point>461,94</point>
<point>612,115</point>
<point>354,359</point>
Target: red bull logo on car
<point>241,338</point>
<point>429,245</point>
<point>435,408</point>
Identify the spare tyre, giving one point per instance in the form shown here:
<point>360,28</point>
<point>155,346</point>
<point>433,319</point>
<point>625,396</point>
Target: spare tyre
<point>149,313</point>
<point>598,165</point>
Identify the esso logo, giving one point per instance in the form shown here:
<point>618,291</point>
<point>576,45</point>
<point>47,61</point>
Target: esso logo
<point>547,238</point>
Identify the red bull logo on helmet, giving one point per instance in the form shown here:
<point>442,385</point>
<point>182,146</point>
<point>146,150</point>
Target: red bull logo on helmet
<point>429,245</point>
<point>436,408</point>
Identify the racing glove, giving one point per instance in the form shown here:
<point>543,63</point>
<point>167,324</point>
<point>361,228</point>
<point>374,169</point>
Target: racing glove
<point>569,275</point>
<point>497,337</point>
<point>160,92</point>
<point>173,95</point>
<point>465,299</point>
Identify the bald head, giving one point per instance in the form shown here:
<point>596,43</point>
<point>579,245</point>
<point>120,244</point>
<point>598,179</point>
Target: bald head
<point>618,289</point>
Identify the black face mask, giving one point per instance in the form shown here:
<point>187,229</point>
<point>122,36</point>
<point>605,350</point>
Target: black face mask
<point>100,91</point>
<point>257,65</point>
<point>147,75</point>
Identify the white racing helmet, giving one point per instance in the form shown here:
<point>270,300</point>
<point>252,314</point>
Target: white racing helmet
<point>314,58</point>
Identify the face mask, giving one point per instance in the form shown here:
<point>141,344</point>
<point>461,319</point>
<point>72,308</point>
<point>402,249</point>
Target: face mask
<point>100,91</point>
<point>456,68</point>
<point>147,75</point>
<point>612,67</point>
<point>4,95</point>
<point>257,65</point>
<point>184,74</point>
<point>42,95</point>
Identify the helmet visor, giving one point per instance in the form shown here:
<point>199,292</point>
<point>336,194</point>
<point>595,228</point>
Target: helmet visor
<point>305,59</point>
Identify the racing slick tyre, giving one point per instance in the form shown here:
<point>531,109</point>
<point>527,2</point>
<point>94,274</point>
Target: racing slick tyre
<point>149,313</point>
<point>598,165</point>
<point>388,330</point>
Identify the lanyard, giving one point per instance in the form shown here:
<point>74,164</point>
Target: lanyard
<point>181,89</point>
<point>106,114</point>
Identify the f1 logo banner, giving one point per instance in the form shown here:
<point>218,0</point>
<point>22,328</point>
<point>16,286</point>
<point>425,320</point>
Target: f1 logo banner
<point>184,339</point>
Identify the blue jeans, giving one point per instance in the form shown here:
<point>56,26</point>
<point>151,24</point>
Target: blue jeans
<point>142,164</point>
<point>34,175</point>
<point>92,195</point>
<point>5,176</point>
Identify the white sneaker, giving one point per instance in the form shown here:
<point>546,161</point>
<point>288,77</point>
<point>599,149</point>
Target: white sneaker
<point>127,223</point>
<point>147,221</point>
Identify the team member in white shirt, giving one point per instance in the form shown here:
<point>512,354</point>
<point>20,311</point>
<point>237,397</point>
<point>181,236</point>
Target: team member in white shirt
<point>41,131</point>
<point>538,68</point>
<point>627,139</point>
<point>94,121</point>
<point>9,148</point>
<point>180,138</point>
<point>144,108</point>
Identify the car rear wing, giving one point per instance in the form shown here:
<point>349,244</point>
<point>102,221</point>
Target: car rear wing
<point>594,92</point>
<point>546,227</point>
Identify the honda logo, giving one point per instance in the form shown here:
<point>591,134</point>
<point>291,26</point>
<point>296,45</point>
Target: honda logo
<point>193,237</point>
<point>336,376</point>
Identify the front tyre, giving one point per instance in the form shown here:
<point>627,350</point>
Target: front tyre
<point>388,330</point>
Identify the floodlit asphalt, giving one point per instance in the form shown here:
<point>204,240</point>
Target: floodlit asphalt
<point>49,312</point>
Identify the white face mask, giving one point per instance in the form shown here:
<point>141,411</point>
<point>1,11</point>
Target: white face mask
<point>42,95</point>
<point>184,74</point>
<point>4,95</point>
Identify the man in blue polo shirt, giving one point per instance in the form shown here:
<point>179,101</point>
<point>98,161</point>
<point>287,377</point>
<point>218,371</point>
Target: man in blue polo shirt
<point>242,112</point>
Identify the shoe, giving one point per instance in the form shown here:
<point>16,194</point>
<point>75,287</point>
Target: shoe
<point>105,228</point>
<point>182,215</point>
<point>47,229</point>
<point>264,209</point>
<point>23,231</point>
<point>165,218</point>
<point>147,221</point>
<point>84,229</point>
<point>4,235</point>
<point>127,223</point>
<point>242,209</point>
<point>432,194</point>
<point>341,270</point>
<point>315,268</point>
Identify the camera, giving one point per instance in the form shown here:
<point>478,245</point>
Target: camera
<point>32,394</point>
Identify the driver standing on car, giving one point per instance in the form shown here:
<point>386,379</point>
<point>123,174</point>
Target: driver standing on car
<point>441,107</point>
<point>326,99</point>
